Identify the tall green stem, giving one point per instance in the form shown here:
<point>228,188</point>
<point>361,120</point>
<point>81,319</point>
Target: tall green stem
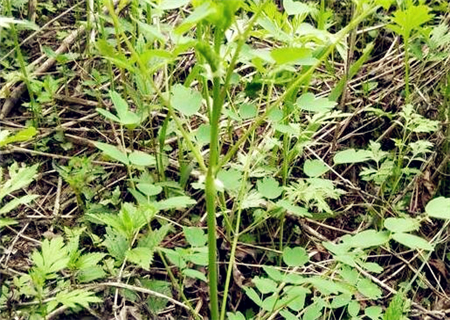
<point>210,187</point>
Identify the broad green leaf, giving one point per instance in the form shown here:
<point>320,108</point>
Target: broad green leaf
<point>113,152</point>
<point>412,241</point>
<point>203,133</point>
<point>191,273</point>
<point>90,274</point>
<point>369,238</point>
<point>116,244</point>
<point>401,224</point>
<point>139,158</point>
<point>157,304</point>
<point>141,256</point>
<point>195,236</point>
<point>126,117</point>
<point>251,293</point>
<point>149,189</point>
<point>175,203</point>
<point>14,203</point>
<point>313,312</point>
<point>235,316</point>
<point>199,258</point>
<point>108,115</point>
<point>186,100</point>
<point>287,315</point>
<point>269,303</point>
<point>273,273</point>
<point>265,285</point>
<point>295,257</point>
<point>371,267</point>
<point>89,260</point>
<point>373,312</point>
<point>353,308</point>
<point>175,257</point>
<point>328,287</point>
<point>369,289</point>
<point>248,111</point>
<point>309,102</point>
<point>173,4</point>
<point>341,300</point>
<point>314,168</point>
<point>296,7</point>
<point>230,178</point>
<point>295,297</point>
<point>290,55</point>
<point>351,156</point>
<point>269,188</point>
<point>438,208</point>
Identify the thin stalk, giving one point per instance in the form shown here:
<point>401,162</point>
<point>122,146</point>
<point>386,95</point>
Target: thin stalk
<point>210,187</point>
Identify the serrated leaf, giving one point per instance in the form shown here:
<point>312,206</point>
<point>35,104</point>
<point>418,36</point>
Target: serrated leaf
<point>269,188</point>
<point>157,304</point>
<point>351,156</point>
<point>191,273</point>
<point>295,257</point>
<point>90,274</point>
<point>265,285</point>
<point>314,168</point>
<point>438,208</point>
<point>76,297</point>
<point>52,257</point>
<point>149,189</point>
<point>412,241</point>
<point>89,260</point>
<point>141,256</point>
<point>373,312</point>
<point>139,158</point>
<point>186,100</point>
<point>296,8</point>
<point>195,236</point>
<point>309,102</point>
<point>116,244</point>
<point>401,224</point>
<point>369,289</point>
<point>113,152</point>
